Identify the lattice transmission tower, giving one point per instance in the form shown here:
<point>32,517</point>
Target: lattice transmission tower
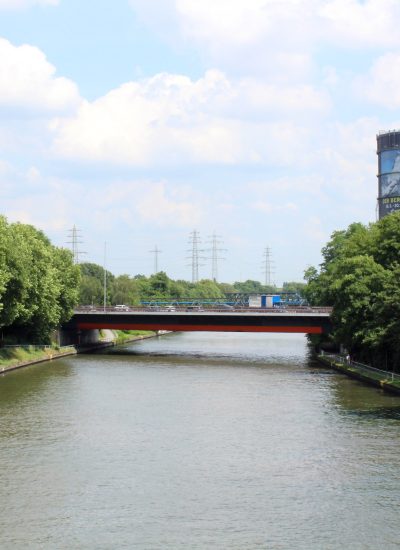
<point>75,239</point>
<point>215,257</point>
<point>156,253</point>
<point>194,242</point>
<point>268,267</point>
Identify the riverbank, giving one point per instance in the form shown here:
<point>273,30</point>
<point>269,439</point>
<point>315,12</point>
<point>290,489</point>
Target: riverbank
<point>125,336</point>
<point>380,379</point>
<point>13,357</point>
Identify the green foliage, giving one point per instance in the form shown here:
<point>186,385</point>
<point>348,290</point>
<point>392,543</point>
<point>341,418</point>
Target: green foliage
<point>124,290</point>
<point>91,289</point>
<point>294,286</point>
<point>254,287</point>
<point>38,282</point>
<point>11,357</point>
<point>132,290</point>
<point>360,278</point>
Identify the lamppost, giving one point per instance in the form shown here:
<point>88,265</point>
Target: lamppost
<point>105,275</point>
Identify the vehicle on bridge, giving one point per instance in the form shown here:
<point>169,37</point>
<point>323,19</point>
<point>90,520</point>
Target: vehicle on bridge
<point>121,307</point>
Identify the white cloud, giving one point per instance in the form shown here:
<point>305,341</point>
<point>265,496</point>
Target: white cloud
<point>350,160</point>
<point>382,83</point>
<point>313,228</point>
<point>263,206</point>
<point>28,82</point>
<point>22,4</point>
<point>260,36</point>
<point>171,119</point>
<point>371,23</point>
<point>159,207</point>
<point>273,37</point>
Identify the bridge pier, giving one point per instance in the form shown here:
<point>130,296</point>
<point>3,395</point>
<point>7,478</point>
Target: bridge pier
<point>78,337</point>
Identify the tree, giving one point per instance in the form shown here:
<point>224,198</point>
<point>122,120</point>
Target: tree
<point>4,267</point>
<point>294,286</point>
<point>360,278</point>
<point>206,289</point>
<point>38,282</point>
<point>69,276</point>
<point>159,285</point>
<point>124,290</point>
<point>254,287</point>
<point>91,289</point>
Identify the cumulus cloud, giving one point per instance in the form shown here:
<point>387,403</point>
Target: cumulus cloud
<point>28,81</point>
<point>274,37</point>
<point>370,23</point>
<point>382,82</point>
<point>171,119</point>
<point>159,207</point>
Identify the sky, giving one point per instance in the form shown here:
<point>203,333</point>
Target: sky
<point>140,121</point>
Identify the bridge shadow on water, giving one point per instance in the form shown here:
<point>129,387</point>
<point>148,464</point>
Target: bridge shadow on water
<point>196,358</point>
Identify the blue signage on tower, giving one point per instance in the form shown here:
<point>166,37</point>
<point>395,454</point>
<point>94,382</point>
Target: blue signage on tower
<point>388,149</point>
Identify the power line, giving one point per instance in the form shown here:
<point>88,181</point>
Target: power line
<point>156,253</point>
<point>75,237</point>
<point>215,250</point>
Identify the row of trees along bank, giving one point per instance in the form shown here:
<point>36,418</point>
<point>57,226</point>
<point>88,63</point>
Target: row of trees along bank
<point>125,289</point>
<point>39,283</point>
<point>360,278</point>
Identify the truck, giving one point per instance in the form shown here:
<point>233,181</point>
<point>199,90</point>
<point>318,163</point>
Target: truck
<point>264,300</point>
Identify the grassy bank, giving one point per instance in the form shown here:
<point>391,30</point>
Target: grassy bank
<point>123,336</point>
<point>17,356</point>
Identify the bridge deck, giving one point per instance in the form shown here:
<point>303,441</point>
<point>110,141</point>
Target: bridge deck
<point>302,320</point>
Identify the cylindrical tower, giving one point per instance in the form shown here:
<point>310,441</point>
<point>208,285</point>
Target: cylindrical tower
<point>388,149</point>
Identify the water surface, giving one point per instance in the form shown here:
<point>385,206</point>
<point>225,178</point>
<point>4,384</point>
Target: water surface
<point>197,441</point>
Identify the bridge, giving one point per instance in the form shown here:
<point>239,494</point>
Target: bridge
<point>290,320</point>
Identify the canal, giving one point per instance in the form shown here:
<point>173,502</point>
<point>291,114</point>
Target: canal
<point>197,441</point>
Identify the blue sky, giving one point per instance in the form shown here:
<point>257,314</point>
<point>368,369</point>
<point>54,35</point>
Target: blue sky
<point>140,121</point>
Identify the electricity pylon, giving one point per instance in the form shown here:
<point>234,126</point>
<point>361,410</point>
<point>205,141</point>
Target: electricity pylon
<point>194,241</point>
<point>156,253</point>
<point>268,265</point>
<point>215,250</point>
<point>75,240</point>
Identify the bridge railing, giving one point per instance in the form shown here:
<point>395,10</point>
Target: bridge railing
<point>379,374</point>
<point>240,309</point>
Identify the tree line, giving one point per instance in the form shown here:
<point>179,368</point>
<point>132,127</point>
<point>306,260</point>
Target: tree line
<point>132,290</point>
<point>360,277</point>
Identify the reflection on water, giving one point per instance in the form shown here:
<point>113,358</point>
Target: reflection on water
<point>197,441</point>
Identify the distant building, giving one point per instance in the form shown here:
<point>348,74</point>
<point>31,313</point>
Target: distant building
<point>388,150</point>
